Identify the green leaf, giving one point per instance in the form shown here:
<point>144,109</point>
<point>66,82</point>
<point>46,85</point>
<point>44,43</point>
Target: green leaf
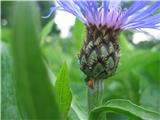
<point>80,111</point>
<point>46,30</point>
<point>124,107</point>
<point>34,89</point>
<point>63,93</point>
<point>78,34</point>
<point>6,34</point>
<point>9,103</point>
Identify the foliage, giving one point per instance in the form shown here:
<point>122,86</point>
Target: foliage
<point>131,110</point>
<point>33,86</point>
<point>41,89</point>
<point>63,93</point>
<point>9,104</point>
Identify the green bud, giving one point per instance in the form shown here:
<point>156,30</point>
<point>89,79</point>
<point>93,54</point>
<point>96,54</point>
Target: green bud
<point>99,55</point>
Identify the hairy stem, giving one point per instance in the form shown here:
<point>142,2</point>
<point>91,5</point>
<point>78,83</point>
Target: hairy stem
<point>95,94</point>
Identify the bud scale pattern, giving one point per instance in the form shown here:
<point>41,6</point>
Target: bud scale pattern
<point>100,54</point>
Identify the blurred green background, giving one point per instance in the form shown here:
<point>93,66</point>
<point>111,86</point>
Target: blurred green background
<point>137,77</point>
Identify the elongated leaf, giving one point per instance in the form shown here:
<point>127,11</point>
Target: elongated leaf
<point>78,34</point>
<point>80,111</point>
<point>124,107</point>
<point>33,86</point>
<point>9,104</point>
<point>63,93</point>
<point>46,30</point>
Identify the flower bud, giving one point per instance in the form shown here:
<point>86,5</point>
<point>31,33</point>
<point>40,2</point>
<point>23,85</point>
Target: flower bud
<point>99,55</point>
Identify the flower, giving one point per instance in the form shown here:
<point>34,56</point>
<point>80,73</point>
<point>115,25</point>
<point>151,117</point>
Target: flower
<point>141,14</point>
<point>104,20</point>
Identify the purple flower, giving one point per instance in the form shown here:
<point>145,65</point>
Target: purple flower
<point>104,20</point>
<point>141,14</point>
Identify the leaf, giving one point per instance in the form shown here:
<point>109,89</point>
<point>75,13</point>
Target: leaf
<point>34,89</point>
<point>79,109</point>
<point>6,34</point>
<point>63,93</point>
<point>46,30</point>
<point>78,34</point>
<point>124,107</point>
<point>9,103</point>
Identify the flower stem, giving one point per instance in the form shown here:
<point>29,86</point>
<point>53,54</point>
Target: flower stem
<point>95,94</point>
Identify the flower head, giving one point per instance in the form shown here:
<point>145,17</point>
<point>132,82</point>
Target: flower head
<point>104,20</point>
<point>141,14</point>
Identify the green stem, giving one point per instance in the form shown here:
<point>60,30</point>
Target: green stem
<point>95,94</point>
